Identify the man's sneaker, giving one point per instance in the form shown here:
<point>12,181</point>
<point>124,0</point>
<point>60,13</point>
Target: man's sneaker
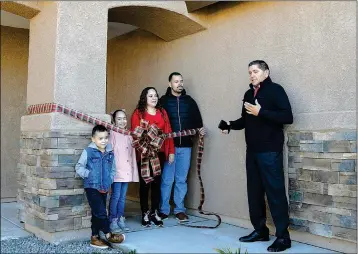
<point>145,219</point>
<point>163,216</point>
<point>122,224</point>
<point>155,218</point>
<point>114,227</point>
<point>116,238</point>
<point>96,242</point>
<point>182,217</point>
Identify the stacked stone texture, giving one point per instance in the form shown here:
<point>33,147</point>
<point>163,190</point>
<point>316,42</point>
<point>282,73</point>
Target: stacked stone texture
<point>321,168</point>
<point>51,196</point>
<point>323,183</point>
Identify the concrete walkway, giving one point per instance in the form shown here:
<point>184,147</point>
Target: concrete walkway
<point>11,228</point>
<point>173,238</point>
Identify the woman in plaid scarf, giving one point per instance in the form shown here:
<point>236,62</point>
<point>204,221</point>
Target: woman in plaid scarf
<point>149,109</point>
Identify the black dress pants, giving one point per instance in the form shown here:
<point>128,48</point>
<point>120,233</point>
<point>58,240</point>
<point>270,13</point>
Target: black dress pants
<point>153,186</point>
<point>265,175</point>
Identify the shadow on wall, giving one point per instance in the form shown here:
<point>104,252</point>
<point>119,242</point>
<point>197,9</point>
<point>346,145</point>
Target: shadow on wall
<point>165,24</point>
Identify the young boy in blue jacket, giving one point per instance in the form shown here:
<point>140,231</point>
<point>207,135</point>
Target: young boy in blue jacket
<point>97,167</point>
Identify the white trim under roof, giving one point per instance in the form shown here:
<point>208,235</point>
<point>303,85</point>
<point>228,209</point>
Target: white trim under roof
<point>9,19</point>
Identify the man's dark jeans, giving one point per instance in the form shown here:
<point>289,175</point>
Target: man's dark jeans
<point>265,175</point>
<point>97,202</point>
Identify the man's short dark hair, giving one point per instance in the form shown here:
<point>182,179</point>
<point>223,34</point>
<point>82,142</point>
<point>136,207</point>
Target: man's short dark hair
<point>261,64</point>
<point>98,128</point>
<point>174,74</point>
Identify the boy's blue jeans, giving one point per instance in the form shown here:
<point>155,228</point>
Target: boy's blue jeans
<point>97,202</point>
<point>176,172</point>
<point>118,200</point>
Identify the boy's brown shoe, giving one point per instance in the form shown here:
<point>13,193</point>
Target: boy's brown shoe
<point>116,238</point>
<point>96,242</point>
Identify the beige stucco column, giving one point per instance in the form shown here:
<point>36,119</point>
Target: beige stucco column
<point>67,65</point>
<point>67,60</point>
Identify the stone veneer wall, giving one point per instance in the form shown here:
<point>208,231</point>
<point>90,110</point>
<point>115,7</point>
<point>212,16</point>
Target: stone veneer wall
<point>321,169</point>
<point>52,198</point>
<point>323,183</point>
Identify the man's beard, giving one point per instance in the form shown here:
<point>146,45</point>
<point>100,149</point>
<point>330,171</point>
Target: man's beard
<point>177,90</point>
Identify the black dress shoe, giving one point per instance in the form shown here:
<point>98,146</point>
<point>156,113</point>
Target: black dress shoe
<point>280,244</point>
<point>254,237</point>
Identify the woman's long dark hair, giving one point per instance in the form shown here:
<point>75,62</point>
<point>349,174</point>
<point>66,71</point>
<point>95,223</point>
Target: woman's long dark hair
<point>142,103</point>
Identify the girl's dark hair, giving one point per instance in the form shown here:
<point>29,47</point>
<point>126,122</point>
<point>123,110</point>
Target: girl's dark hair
<point>142,103</point>
<point>113,115</point>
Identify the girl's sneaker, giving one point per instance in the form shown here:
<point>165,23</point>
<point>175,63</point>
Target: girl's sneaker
<point>145,219</point>
<point>122,224</point>
<point>155,218</point>
<point>114,226</point>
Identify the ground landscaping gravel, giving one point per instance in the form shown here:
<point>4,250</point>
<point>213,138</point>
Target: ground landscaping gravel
<point>35,245</point>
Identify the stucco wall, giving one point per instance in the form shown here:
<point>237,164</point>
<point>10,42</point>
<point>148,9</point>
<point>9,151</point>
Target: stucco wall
<point>309,46</point>
<point>68,61</point>
<point>14,57</point>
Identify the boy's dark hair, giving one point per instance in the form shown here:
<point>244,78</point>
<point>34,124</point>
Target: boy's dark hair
<point>174,74</point>
<point>261,64</point>
<point>98,128</point>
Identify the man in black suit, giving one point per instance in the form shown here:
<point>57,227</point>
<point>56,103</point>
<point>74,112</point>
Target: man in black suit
<point>265,110</point>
